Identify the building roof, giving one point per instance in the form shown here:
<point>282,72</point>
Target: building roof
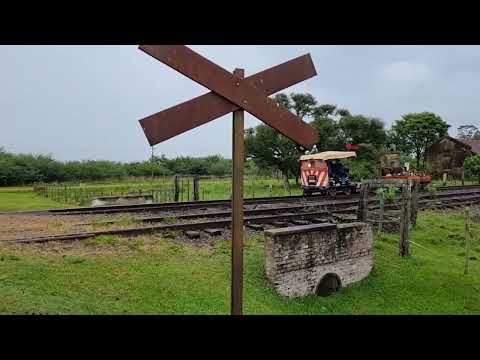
<point>474,144</point>
<point>329,155</point>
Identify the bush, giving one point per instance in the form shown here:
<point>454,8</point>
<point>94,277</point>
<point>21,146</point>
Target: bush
<point>22,169</point>
<point>472,166</point>
<point>359,169</point>
<point>388,194</point>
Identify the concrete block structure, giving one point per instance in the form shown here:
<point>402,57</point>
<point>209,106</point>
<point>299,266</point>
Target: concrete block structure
<point>122,200</point>
<point>318,259</point>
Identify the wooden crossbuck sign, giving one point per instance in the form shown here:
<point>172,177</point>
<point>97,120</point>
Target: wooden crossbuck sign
<point>230,92</point>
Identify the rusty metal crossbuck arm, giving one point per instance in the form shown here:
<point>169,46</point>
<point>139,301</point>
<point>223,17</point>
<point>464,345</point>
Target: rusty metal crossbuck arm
<point>228,94</point>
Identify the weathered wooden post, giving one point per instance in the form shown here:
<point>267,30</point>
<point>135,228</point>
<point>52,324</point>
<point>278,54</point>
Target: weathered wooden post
<point>362,210</point>
<point>467,239</point>
<point>196,185</point>
<point>238,155</point>
<point>444,179</point>
<point>463,176</point>
<point>253,186</point>
<point>176,189</point>
<point>414,204</point>
<point>404,244</point>
<point>382,208</point>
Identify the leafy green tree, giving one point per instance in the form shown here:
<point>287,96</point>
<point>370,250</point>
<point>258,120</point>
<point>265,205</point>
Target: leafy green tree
<point>325,121</point>
<point>268,148</point>
<point>359,129</point>
<point>472,166</point>
<point>303,105</point>
<point>186,165</point>
<point>415,132</point>
<point>335,126</point>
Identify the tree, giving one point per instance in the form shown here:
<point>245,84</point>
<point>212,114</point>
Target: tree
<point>360,129</point>
<point>303,105</point>
<point>472,165</point>
<point>325,121</point>
<point>467,131</point>
<point>268,148</point>
<point>335,126</point>
<point>415,132</point>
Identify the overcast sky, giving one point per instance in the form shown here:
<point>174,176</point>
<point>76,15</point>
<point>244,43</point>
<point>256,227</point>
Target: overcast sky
<point>84,102</point>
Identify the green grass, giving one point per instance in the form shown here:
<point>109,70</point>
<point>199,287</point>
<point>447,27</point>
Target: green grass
<point>81,194</point>
<point>175,279</point>
<point>456,182</point>
<point>20,199</point>
<point>252,188</point>
<point>104,240</point>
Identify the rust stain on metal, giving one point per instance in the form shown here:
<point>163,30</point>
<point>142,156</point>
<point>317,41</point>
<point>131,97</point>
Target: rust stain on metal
<point>205,108</point>
<point>238,91</point>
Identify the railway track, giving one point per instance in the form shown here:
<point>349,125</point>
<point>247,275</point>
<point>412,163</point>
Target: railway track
<point>113,209</point>
<point>308,212</point>
<point>205,205</point>
<point>335,205</point>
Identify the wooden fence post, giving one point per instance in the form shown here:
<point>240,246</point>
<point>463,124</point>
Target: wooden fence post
<point>380,220</point>
<point>176,188</point>
<point>414,205</point>
<point>467,239</point>
<point>196,192</point>
<point>463,176</point>
<point>253,186</point>
<point>444,179</point>
<point>362,210</point>
<point>404,244</point>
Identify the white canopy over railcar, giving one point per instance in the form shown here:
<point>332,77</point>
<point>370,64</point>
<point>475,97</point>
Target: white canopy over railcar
<point>329,155</point>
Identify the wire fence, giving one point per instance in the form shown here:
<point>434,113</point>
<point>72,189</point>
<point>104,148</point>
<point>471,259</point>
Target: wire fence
<point>166,189</point>
<point>83,195</point>
<point>455,179</point>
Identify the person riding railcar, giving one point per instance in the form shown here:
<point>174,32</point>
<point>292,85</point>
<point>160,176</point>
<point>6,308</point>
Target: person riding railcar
<point>338,173</point>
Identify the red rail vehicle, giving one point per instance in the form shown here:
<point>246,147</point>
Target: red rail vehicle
<point>325,174</point>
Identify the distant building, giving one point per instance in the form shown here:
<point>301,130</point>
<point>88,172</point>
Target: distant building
<point>449,154</point>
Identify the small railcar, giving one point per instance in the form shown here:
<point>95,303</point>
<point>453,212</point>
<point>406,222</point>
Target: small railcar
<point>323,173</point>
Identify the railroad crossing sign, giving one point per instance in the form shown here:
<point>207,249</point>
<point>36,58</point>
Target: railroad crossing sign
<point>230,93</point>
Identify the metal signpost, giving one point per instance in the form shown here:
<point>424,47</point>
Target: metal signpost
<point>230,93</point>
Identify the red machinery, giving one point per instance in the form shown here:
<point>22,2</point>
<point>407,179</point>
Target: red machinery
<point>424,180</point>
<point>392,169</point>
<point>315,170</point>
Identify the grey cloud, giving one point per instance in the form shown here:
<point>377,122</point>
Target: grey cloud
<point>79,102</point>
